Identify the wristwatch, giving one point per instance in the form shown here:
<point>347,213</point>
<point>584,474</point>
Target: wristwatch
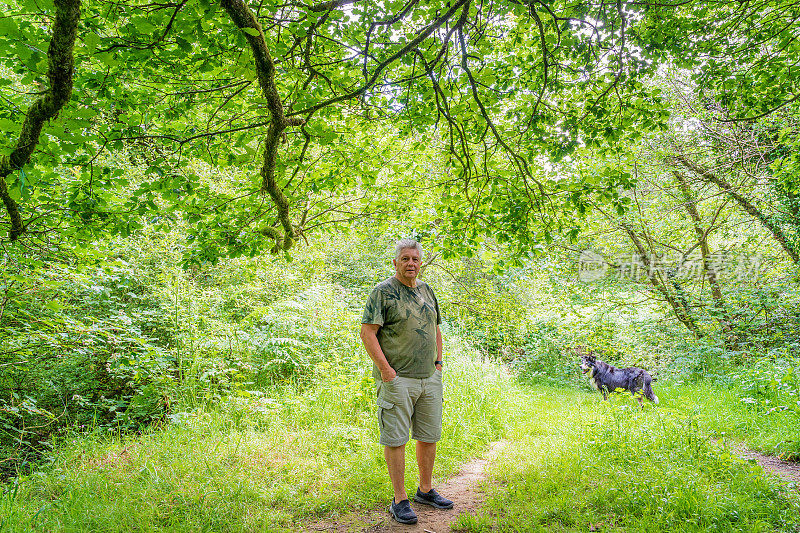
<point>438,363</point>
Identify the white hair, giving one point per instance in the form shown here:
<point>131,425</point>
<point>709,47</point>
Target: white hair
<point>406,244</point>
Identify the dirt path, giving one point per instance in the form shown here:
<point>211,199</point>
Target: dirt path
<point>786,470</point>
<point>462,489</point>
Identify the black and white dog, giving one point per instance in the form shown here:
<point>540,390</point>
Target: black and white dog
<point>607,378</point>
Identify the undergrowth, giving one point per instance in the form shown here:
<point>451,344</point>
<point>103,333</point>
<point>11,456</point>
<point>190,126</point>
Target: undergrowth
<point>727,414</point>
<point>298,454</point>
<point>571,462</point>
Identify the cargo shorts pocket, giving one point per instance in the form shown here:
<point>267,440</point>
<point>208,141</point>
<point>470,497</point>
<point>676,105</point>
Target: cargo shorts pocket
<point>383,405</point>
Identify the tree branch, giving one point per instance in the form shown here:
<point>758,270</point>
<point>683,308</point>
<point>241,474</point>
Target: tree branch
<point>245,20</point>
<point>411,45</point>
<point>60,66</point>
<point>746,204</point>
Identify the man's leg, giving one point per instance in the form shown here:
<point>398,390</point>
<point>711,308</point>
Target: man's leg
<point>427,429</point>
<point>396,463</point>
<point>426,453</point>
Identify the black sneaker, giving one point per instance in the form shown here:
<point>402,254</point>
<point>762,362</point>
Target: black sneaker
<point>402,512</point>
<point>433,499</point>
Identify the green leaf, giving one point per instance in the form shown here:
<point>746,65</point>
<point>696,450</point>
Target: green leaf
<point>91,40</point>
<point>9,125</point>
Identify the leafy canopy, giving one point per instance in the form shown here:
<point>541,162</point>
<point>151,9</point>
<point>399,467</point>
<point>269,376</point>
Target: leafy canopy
<point>260,121</point>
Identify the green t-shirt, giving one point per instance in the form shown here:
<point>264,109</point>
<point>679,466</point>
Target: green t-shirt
<point>408,318</point>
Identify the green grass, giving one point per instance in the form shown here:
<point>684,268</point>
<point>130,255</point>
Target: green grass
<point>611,467</point>
<point>724,415</point>
<point>279,461</point>
<point>252,463</point>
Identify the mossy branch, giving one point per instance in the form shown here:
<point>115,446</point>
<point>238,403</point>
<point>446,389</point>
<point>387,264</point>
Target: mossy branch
<point>245,20</point>
<point>60,67</point>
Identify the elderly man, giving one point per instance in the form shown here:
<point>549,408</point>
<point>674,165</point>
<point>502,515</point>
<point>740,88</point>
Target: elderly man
<point>400,331</point>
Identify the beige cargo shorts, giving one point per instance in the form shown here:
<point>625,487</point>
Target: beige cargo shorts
<point>410,404</point>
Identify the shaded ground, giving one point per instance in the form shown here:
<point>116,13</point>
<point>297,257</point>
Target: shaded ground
<point>463,489</point>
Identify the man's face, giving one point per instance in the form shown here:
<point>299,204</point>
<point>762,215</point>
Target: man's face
<point>407,265</point>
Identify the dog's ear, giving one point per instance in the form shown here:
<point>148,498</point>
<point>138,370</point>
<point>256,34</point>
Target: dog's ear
<point>591,358</point>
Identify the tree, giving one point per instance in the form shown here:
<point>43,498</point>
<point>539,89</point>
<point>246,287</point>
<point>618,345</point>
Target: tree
<point>751,162</point>
<point>712,205</point>
<point>263,90</point>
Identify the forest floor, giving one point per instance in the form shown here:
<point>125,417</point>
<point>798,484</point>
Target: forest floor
<point>465,491</point>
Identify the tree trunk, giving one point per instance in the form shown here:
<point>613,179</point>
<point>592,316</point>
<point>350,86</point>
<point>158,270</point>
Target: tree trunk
<point>746,204</point>
<point>60,69</point>
<point>702,238</point>
<point>244,19</point>
<point>678,300</point>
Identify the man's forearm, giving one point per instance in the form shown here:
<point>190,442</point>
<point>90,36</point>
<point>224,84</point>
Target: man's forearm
<point>369,338</point>
<point>375,353</point>
<point>438,344</point>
